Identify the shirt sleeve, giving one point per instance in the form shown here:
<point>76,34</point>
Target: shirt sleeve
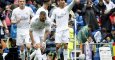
<point>48,26</point>
<point>31,12</point>
<point>13,17</point>
<point>70,6</point>
<point>32,24</point>
<point>38,12</point>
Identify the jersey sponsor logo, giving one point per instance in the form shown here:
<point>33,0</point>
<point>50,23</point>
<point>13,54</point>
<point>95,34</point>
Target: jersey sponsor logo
<point>61,15</point>
<point>23,16</point>
<point>39,26</point>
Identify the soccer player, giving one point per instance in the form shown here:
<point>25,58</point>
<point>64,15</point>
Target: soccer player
<point>44,7</point>
<point>39,30</point>
<point>22,16</point>
<point>61,15</point>
<point>46,4</point>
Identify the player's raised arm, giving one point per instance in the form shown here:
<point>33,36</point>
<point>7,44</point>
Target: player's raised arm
<point>70,6</point>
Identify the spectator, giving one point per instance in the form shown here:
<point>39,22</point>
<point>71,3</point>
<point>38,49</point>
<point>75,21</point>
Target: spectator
<point>84,33</point>
<point>7,13</point>
<point>109,4</point>
<point>13,54</point>
<point>89,16</point>
<point>88,48</point>
<point>15,2</point>
<point>29,3</point>
<point>40,2</point>
<point>107,38</point>
<point>71,42</point>
<point>36,4</point>
<point>104,32</point>
<point>106,20</point>
<point>77,8</point>
<point>97,36</point>
<point>112,17</point>
<point>101,7</point>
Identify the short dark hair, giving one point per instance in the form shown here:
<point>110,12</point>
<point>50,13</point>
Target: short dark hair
<point>43,12</point>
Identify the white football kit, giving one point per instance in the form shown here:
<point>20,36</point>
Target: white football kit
<point>38,28</point>
<point>62,18</point>
<point>23,26</point>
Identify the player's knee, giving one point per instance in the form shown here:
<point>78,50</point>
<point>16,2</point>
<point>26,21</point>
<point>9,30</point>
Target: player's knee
<point>38,45</point>
<point>28,45</point>
<point>65,46</point>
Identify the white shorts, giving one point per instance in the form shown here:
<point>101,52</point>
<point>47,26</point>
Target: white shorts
<point>38,36</point>
<point>22,37</point>
<point>62,36</point>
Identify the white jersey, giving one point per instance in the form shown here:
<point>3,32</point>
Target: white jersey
<point>23,15</point>
<point>37,25</point>
<point>42,9</point>
<point>1,23</point>
<point>62,17</point>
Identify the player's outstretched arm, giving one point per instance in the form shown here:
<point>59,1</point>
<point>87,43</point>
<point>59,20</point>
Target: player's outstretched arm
<point>70,6</point>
